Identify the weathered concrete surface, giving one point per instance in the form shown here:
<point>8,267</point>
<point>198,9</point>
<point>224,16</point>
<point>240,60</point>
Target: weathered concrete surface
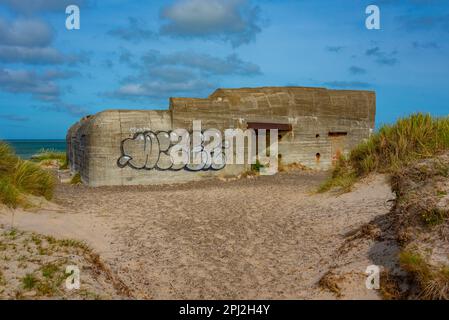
<point>325,123</point>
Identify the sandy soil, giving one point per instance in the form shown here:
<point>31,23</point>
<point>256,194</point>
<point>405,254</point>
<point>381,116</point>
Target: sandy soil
<point>33,266</point>
<point>258,238</point>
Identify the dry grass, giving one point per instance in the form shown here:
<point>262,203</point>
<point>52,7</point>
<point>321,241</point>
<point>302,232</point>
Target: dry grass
<point>390,286</point>
<point>329,281</point>
<point>433,282</point>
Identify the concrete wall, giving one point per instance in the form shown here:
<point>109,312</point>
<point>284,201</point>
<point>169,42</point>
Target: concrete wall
<point>324,122</point>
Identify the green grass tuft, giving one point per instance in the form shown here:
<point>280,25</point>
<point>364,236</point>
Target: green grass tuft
<point>49,270</point>
<point>257,166</point>
<point>434,216</point>
<point>76,179</point>
<point>29,281</point>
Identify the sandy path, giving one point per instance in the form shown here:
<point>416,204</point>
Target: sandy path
<point>249,239</point>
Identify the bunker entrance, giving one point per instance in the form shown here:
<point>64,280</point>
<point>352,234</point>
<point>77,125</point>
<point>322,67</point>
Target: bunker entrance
<point>283,129</point>
<point>338,142</point>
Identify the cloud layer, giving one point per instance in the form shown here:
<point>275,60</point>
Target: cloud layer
<point>135,31</point>
<point>28,40</point>
<point>236,21</point>
<point>179,73</point>
<point>382,57</point>
<point>39,86</point>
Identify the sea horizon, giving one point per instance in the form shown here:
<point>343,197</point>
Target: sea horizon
<point>26,148</point>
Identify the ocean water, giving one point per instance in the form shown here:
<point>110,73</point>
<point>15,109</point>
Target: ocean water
<point>27,148</point>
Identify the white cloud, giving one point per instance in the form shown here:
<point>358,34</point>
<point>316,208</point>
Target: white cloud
<point>236,21</point>
<point>205,63</point>
<point>135,31</point>
<point>161,89</point>
<point>182,73</point>
<point>24,81</point>
<point>25,33</point>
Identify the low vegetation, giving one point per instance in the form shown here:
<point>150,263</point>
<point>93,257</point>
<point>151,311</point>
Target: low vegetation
<point>33,266</point>
<point>18,178</point>
<point>414,152</point>
<point>418,136</point>
<point>48,157</point>
<point>76,179</point>
<point>433,281</point>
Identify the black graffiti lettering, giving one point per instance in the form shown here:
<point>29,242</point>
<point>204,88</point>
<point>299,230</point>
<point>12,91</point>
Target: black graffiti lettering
<point>150,150</point>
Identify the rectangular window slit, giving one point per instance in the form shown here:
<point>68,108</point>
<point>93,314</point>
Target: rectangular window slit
<point>337,134</point>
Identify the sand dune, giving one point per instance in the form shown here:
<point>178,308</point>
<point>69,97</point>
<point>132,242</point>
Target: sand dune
<point>259,238</point>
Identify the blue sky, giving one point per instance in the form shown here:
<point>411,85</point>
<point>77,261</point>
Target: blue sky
<point>136,54</point>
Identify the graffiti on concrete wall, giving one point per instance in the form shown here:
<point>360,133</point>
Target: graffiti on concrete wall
<point>173,150</point>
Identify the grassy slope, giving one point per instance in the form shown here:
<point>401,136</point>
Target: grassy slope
<point>421,221</point>
<point>391,149</point>
<point>19,178</point>
<point>413,152</point>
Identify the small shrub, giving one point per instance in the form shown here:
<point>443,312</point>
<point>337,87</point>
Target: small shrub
<point>256,166</point>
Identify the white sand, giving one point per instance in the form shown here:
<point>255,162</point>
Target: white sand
<point>262,238</point>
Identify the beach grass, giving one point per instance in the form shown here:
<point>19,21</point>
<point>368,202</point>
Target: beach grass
<point>20,177</point>
<point>76,179</point>
<point>30,178</point>
<point>415,137</point>
<point>8,159</point>
<point>45,156</point>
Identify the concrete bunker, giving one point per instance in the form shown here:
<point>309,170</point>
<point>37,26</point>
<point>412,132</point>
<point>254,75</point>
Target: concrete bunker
<point>315,126</point>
